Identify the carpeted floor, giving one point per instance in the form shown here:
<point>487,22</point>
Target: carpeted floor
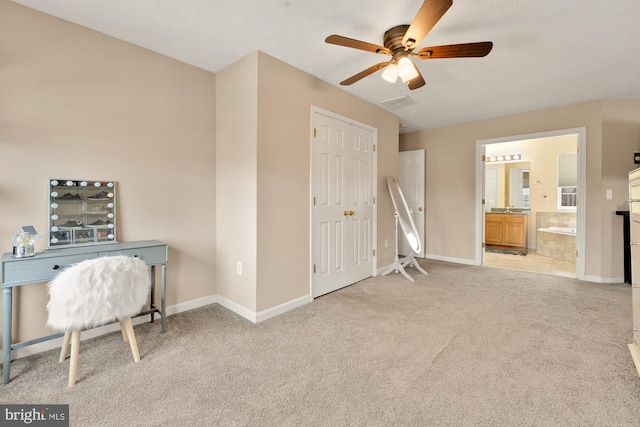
<point>464,346</point>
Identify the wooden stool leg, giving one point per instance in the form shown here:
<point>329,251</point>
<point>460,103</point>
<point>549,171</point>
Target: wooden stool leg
<point>132,339</point>
<point>123,328</point>
<point>75,350</point>
<point>65,346</point>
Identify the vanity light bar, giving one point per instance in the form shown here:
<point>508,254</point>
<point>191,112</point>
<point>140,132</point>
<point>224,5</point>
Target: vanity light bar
<point>504,158</point>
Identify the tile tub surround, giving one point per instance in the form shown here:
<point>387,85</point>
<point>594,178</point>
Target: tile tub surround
<point>555,219</point>
<point>557,246</point>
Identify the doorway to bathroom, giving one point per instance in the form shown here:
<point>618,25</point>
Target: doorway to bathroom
<point>530,200</point>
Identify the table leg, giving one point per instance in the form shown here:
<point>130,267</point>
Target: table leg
<point>6,332</point>
<point>163,296</point>
<point>152,300</point>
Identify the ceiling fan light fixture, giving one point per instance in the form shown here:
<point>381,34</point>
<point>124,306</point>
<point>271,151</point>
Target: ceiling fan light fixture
<point>407,69</point>
<point>390,73</point>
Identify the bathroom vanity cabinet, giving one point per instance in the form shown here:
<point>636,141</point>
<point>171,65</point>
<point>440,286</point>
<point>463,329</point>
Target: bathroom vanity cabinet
<point>508,230</point>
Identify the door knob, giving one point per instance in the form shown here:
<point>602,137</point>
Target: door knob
<point>352,213</point>
<point>346,213</point>
<point>420,208</point>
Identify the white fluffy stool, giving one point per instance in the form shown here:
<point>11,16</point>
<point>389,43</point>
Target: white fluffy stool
<point>93,293</point>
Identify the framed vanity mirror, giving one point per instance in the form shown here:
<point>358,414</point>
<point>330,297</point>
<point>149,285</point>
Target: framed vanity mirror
<point>81,212</point>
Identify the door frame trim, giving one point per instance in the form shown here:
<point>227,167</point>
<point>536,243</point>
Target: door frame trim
<point>581,133</point>
<point>317,110</point>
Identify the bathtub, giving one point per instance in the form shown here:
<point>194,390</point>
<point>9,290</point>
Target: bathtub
<point>557,242</point>
<point>567,231</point>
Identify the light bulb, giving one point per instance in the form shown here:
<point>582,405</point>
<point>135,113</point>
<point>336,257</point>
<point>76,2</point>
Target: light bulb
<point>406,69</point>
<point>390,73</point>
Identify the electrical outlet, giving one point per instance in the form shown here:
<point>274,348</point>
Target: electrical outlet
<point>609,194</point>
<point>238,268</point>
<point>386,243</point>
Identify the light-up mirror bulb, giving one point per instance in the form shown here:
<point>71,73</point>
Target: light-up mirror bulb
<point>54,217</point>
<point>110,184</point>
<point>54,205</point>
<point>110,205</point>
<point>69,183</point>
<point>110,195</point>
<point>54,194</point>
<point>97,184</point>
<point>83,183</point>
<point>54,228</point>
<point>110,236</point>
<point>110,215</point>
<point>54,240</point>
<point>54,182</point>
<point>110,225</point>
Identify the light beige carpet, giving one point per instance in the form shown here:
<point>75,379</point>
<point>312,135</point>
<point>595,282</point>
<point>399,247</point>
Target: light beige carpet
<point>463,346</point>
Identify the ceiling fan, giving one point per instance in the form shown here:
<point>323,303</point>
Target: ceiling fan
<point>400,42</point>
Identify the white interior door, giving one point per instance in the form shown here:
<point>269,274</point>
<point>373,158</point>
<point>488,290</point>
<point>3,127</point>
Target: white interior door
<point>361,184</point>
<point>411,181</point>
<point>342,214</point>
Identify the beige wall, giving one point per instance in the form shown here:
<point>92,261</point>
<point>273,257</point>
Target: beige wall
<point>451,221</point>
<point>281,174</point>
<point>78,104</point>
<point>236,181</point>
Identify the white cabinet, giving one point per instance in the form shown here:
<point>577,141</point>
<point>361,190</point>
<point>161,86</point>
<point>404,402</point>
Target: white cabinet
<point>634,219</point>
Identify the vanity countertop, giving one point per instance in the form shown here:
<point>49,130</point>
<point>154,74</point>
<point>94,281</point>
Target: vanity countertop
<point>512,211</point>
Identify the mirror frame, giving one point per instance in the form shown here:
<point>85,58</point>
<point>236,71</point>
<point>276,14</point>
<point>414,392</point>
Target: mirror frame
<point>81,213</point>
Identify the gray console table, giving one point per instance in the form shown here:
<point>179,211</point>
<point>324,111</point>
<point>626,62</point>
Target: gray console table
<point>44,266</point>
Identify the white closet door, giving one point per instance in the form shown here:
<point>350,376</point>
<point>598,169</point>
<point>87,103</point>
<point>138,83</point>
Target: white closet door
<point>361,204</point>
<point>342,214</point>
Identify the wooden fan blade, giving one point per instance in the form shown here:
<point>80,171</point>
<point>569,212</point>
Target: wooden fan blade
<point>363,74</point>
<point>429,14</point>
<point>416,82</point>
<point>463,50</point>
<point>356,44</point>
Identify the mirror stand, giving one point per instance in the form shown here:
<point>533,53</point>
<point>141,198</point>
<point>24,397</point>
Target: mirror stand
<point>398,266</point>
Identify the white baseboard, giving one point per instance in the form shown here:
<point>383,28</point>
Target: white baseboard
<point>450,259</point>
<point>265,314</point>
<point>601,279</point>
<point>283,308</point>
<point>238,309</point>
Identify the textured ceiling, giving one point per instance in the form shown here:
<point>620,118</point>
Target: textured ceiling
<point>546,52</point>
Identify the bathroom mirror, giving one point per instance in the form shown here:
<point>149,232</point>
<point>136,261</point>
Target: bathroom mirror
<point>81,212</point>
<point>507,185</point>
<point>405,219</point>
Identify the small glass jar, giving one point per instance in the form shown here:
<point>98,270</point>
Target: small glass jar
<point>23,245</point>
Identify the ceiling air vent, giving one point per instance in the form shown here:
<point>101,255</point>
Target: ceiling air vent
<point>397,103</point>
